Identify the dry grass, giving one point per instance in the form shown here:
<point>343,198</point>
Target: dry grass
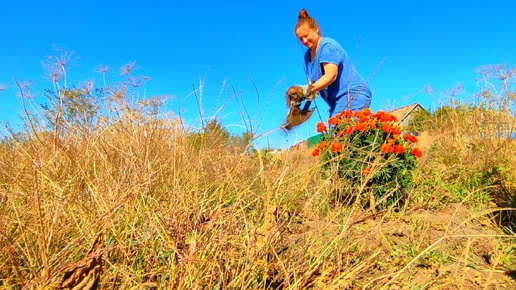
<point>175,209</point>
<point>182,213</point>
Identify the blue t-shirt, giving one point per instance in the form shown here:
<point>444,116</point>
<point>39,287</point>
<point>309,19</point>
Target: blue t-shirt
<point>348,91</point>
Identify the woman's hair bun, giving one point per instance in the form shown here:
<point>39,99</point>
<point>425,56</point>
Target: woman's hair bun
<point>303,14</point>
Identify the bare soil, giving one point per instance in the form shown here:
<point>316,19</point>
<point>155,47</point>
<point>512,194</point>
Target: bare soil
<point>449,248</point>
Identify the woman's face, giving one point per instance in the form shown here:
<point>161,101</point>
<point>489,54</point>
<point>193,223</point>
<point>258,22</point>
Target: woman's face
<point>309,37</point>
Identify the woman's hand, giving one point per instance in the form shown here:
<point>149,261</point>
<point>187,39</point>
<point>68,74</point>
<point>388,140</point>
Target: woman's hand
<point>310,93</point>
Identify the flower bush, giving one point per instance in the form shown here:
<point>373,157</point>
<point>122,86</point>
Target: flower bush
<point>370,153</point>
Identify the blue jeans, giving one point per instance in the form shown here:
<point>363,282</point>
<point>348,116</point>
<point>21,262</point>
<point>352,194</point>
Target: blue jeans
<point>358,101</point>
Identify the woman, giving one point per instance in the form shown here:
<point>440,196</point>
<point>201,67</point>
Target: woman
<point>329,70</point>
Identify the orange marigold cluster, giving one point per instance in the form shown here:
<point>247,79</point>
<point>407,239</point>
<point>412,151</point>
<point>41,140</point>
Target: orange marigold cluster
<point>372,124</point>
<point>362,127</point>
<point>321,127</point>
<point>398,149</point>
<point>321,146</point>
<point>387,127</point>
<point>396,131</point>
<point>417,152</point>
<point>333,121</point>
<point>336,147</point>
<point>384,117</point>
<point>363,115</point>
<point>344,114</point>
<point>410,137</point>
<point>361,121</point>
<point>386,148</point>
<point>349,130</point>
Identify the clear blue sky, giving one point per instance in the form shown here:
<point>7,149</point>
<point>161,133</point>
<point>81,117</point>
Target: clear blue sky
<point>400,45</point>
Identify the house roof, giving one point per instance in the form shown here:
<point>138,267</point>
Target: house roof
<point>402,113</point>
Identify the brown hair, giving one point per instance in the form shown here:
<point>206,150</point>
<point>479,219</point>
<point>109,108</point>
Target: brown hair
<point>303,18</point>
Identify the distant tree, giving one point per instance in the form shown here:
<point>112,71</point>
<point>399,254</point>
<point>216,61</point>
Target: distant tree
<point>215,135</point>
<point>243,141</point>
<point>421,121</point>
<point>215,131</point>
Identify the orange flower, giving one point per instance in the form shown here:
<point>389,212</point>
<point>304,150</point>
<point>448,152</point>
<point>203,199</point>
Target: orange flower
<point>372,124</point>
<point>333,121</point>
<point>321,127</point>
<point>322,145</point>
<point>366,171</point>
<point>349,130</point>
<point>347,114</point>
<point>410,137</point>
<point>396,130</point>
<point>386,117</point>
<point>359,115</point>
<point>387,127</point>
<point>386,148</point>
<point>378,115</point>
<point>316,152</point>
<point>417,152</point>
<point>367,112</point>
<point>362,116</point>
<point>336,147</point>
<point>398,149</point>
<point>362,127</point>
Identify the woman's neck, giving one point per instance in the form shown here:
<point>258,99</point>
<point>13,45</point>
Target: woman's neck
<point>313,51</point>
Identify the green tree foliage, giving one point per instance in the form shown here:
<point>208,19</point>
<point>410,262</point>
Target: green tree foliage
<point>215,135</point>
<point>420,122</point>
